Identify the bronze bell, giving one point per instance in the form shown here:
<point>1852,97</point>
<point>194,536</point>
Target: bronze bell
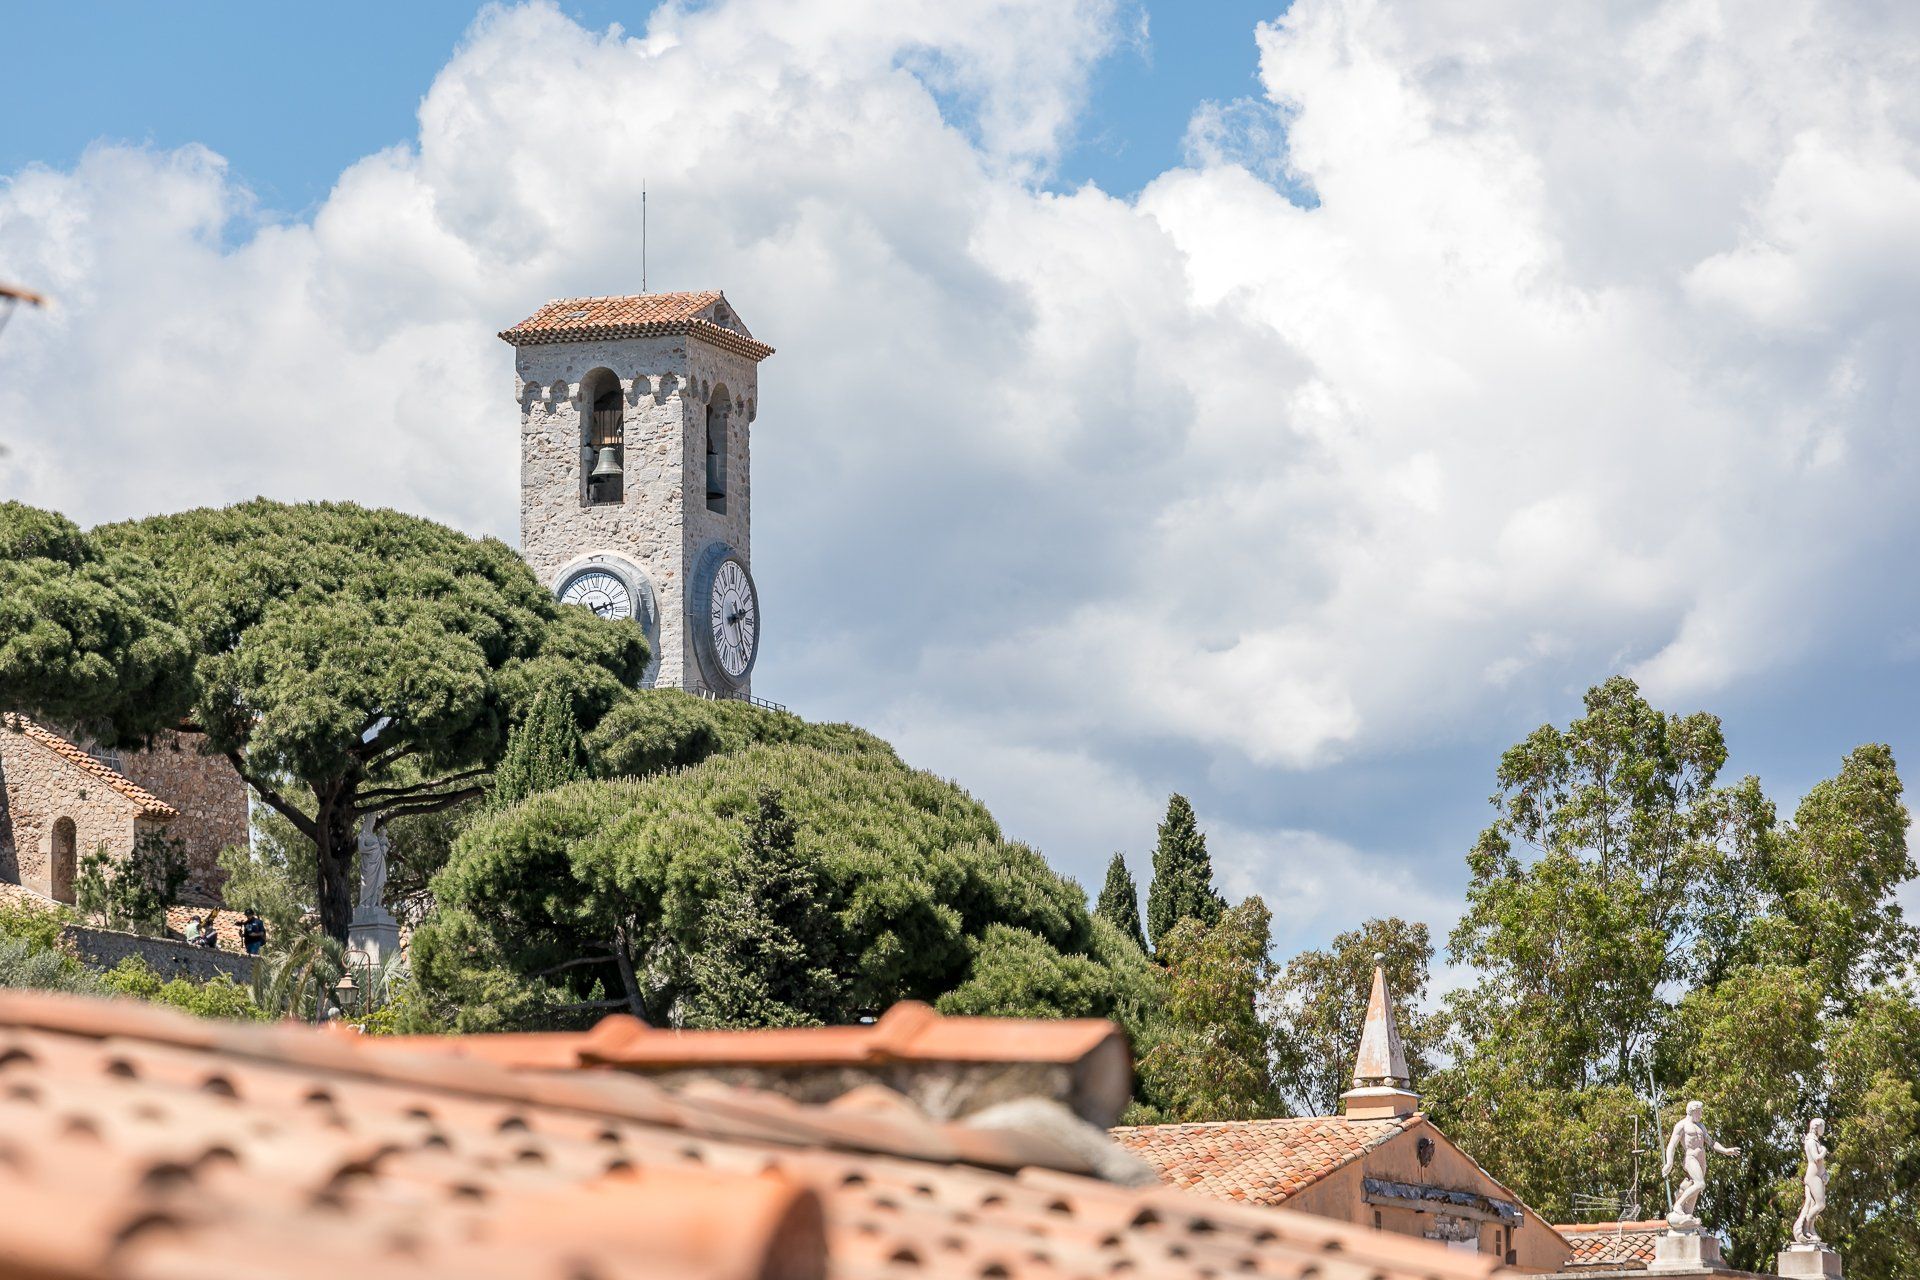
<point>606,465</point>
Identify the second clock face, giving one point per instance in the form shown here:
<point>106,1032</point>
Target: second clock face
<point>601,590</point>
<point>734,614</point>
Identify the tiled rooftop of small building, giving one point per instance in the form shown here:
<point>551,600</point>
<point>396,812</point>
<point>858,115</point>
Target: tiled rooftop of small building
<point>1256,1161</point>
<point>1611,1245</point>
<point>150,805</point>
<point>138,1143</point>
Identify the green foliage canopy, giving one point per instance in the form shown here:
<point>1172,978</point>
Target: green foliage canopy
<point>1320,1000</point>
<point>347,661</point>
<point>543,751</point>
<point>1182,887</point>
<point>1119,901</point>
<point>911,870</point>
<point>1213,1057</point>
<point>1646,935</point>
<point>762,954</point>
<point>86,633</point>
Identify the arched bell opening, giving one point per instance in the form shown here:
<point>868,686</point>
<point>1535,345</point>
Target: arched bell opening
<point>604,448</point>
<point>717,414</point>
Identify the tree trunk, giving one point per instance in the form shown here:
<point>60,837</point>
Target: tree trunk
<point>628,979</point>
<point>337,849</point>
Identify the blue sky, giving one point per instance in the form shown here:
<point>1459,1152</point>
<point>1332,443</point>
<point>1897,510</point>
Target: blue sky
<point>1093,464</point>
<point>290,101</point>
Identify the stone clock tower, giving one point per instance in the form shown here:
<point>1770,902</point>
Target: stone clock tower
<point>634,482</point>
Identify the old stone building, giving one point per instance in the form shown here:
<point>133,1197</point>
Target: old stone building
<point>1380,1165</point>
<point>61,800</point>
<point>635,489</point>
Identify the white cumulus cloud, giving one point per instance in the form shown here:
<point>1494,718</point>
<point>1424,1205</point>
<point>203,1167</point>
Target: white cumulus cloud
<point>1492,348</point>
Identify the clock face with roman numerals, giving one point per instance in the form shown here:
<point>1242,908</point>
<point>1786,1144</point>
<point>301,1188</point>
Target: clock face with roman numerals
<point>724,612</point>
<point>734,615</point>
<point>601,590</point>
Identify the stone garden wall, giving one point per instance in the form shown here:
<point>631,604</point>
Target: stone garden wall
<point>102,949</point>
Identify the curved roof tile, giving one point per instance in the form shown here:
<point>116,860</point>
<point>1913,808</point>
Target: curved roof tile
<point>150,805</point>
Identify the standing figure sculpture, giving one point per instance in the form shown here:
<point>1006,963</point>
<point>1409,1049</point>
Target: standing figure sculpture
<point>1690,1137</point>
<point>1805,1230</point>
<point>373,864</point>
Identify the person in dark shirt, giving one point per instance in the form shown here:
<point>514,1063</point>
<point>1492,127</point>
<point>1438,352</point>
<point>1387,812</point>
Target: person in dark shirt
<point>253,933</point>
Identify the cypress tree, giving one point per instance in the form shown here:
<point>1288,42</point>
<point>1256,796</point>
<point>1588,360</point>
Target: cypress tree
<point>764,952</point>
<point>1182,886</point>
<point>1120,901</point>
<point>545,750</point>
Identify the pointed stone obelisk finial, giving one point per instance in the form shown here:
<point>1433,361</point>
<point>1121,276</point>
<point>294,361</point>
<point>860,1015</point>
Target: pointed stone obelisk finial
<point>1382,1086</point>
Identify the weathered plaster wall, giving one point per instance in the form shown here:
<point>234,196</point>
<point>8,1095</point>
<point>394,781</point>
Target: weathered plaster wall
<point>661,523</point>
<point>1342,1195</point>
<point>39,788</point>
<point>211,798</point>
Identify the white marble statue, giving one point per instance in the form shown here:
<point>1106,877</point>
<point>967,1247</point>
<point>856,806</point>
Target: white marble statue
<point>1690,1137</point>
<point>373,863</point>
<point>1805,1229</point>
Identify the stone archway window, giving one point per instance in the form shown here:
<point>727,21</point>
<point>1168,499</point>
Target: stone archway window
<point>717,410</point>
<point>604,409</point>
<point>62,862</point>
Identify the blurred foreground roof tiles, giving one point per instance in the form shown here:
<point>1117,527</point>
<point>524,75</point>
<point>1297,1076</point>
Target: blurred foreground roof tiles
<point>137,1142</point>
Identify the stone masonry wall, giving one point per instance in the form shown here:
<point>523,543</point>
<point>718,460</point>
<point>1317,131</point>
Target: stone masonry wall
<point>102,949</point>
<point>211,798</point>
<point>556,525</point>
<point>712,373</point>
<point>661,523</point>
<point>37,789</point>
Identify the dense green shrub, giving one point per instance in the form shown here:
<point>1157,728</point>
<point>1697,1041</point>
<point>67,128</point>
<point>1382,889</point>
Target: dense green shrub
<point>23,964</point>
<point>220,997</point>
<point>39,926</point>
<point>621,873</point>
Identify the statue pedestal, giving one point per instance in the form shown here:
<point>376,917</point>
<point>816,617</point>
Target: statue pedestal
<point>1680,1252</point>
<point>1809,1262</point>
<point>375,932</point>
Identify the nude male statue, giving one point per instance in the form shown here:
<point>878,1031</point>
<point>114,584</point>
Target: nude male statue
<point>1691,1137</point>
<point>1815,1180</point>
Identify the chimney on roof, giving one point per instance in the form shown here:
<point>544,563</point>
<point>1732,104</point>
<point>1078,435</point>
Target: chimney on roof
<point>1382,1088</point>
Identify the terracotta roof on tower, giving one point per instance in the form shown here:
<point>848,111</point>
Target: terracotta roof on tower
<point>1257,1161</point>
<point>1613,1246</point>
<point>151,806</point>
<point>137,1143</point>
<point>638,315</point>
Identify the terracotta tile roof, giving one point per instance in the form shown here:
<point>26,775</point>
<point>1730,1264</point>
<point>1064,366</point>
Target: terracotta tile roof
<point>637,315</point>
<point>151,806</point>
<point>1257,1161</point>
<point>908,1032</point>
<point>1617,1246</point>
<point>139,1144</point>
